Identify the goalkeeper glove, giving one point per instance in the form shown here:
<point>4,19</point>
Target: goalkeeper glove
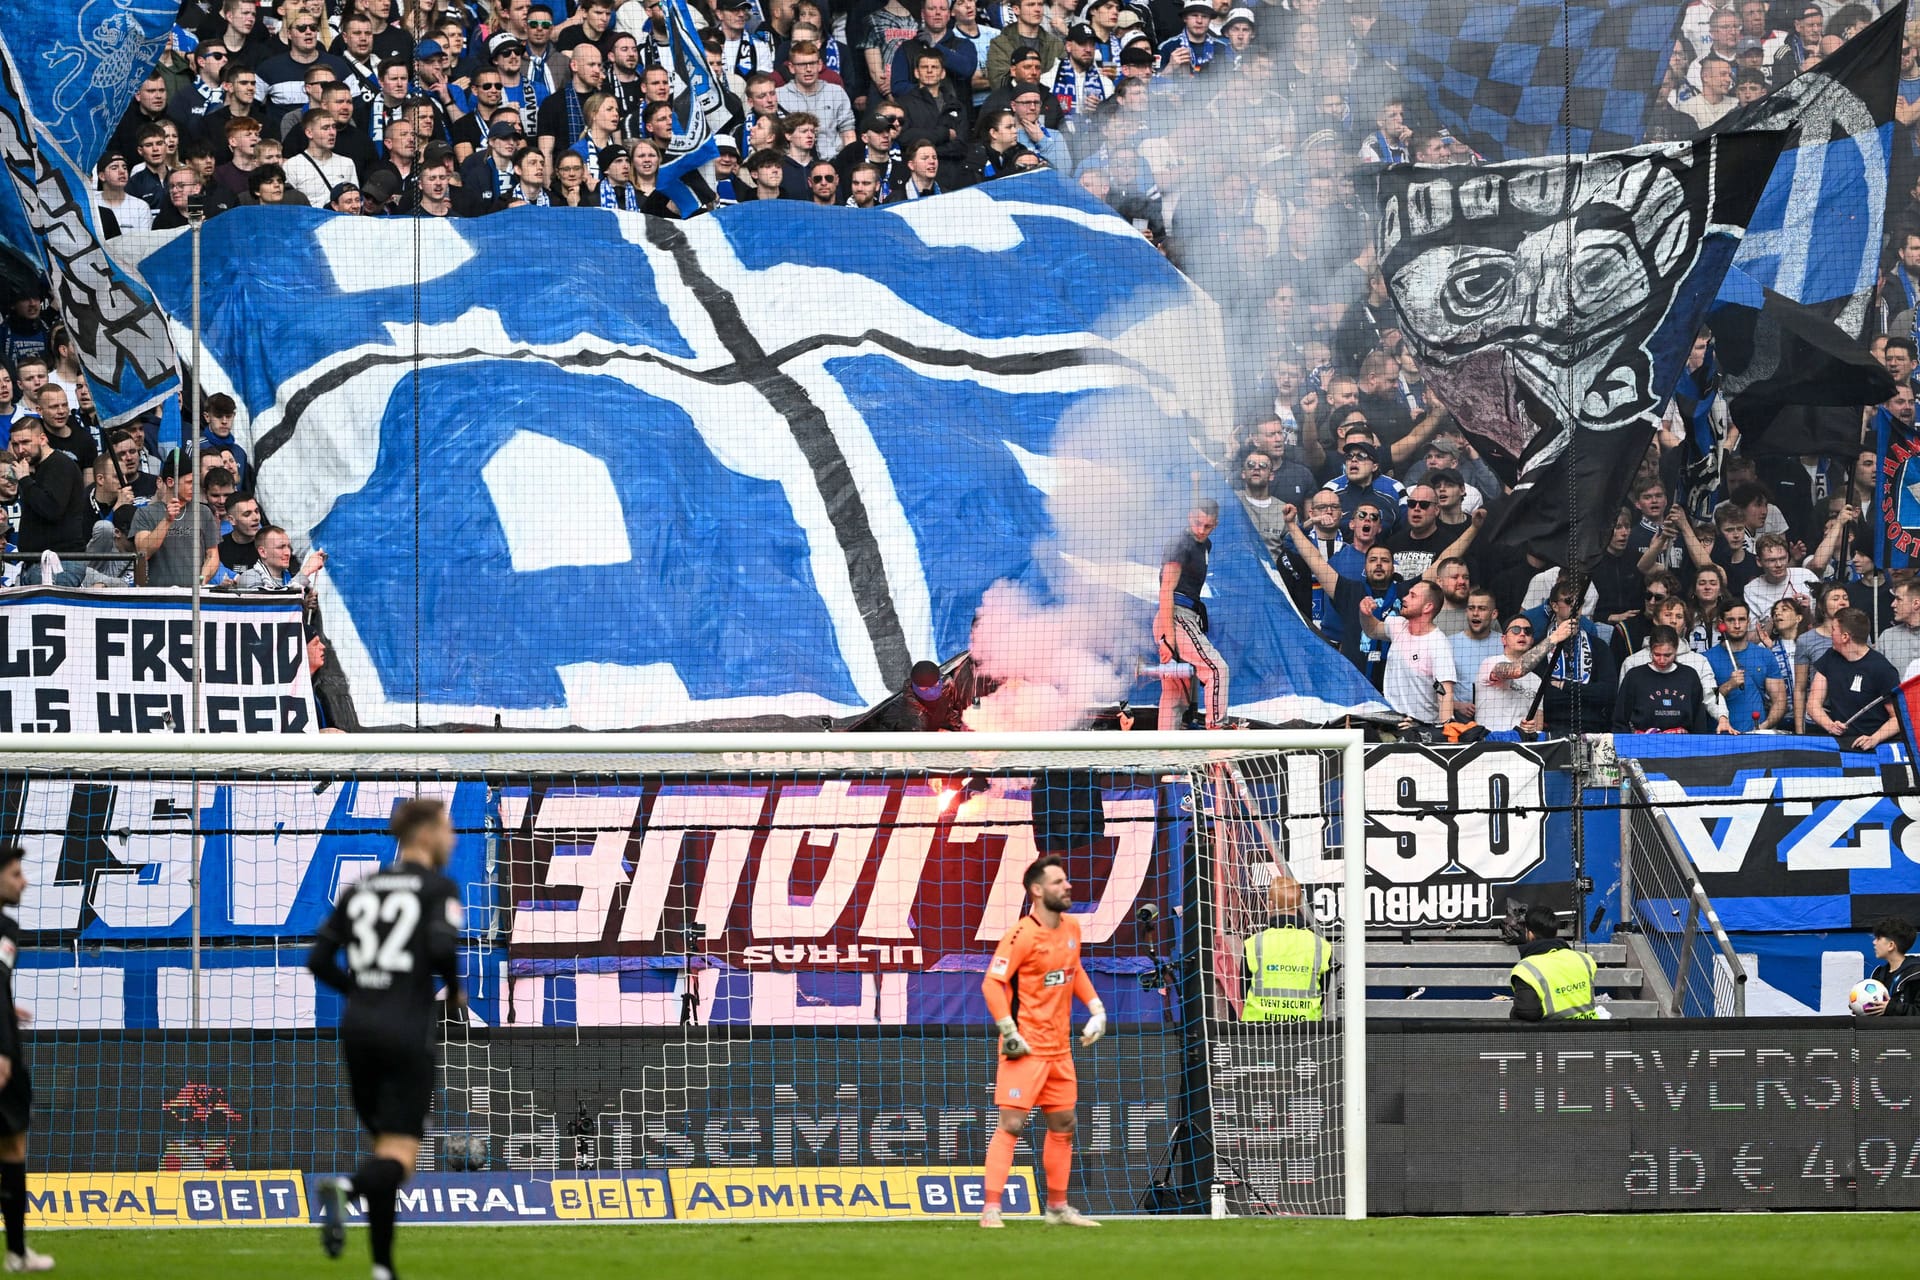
<point>1012,1043</point>
<point>1096,1023</point>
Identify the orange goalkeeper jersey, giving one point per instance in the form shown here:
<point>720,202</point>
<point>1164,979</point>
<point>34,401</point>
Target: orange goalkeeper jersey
<point>1042,966</point>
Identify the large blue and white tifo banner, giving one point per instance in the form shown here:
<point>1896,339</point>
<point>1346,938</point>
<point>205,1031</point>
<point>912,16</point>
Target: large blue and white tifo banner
<point>75,661</point>
<point>750,465</point>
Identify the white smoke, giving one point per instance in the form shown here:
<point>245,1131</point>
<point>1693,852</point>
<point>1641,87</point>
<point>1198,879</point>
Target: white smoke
<point>1050,657</point>
<point>1118,494</point>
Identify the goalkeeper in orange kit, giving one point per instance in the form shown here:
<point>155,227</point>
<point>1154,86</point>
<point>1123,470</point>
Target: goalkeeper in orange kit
<point>1030,986</point>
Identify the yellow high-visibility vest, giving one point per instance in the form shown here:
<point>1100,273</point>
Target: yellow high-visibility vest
<point>1563,979</point>
<point>1288,966</point>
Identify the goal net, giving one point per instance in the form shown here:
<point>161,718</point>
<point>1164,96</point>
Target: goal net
<point>715,978</point>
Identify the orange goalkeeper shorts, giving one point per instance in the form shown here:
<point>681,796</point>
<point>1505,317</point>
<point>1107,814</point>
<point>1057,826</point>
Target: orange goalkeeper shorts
<point>1047,1083</point>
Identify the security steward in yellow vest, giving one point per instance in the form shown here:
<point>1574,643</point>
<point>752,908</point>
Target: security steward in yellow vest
<point>1552,982</point>
<point>1286,964</point>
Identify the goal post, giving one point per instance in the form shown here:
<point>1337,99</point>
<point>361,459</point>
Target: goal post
<point>705,958</point>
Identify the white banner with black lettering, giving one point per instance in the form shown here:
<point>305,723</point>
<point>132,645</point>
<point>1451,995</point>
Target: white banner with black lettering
<point>122,662</point>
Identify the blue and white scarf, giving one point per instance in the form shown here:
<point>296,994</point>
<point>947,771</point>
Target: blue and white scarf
<point>625,196</point>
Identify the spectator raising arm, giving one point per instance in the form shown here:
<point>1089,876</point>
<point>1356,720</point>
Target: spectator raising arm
<point>1317,564</point>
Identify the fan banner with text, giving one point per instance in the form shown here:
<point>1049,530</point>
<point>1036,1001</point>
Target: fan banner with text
<point>1792,835</point>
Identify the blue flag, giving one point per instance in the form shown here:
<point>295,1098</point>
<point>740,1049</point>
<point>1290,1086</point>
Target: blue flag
<point>1833,178</point>
<point>657,493</point>
<point>66,72</point>
<point>1521,80</point>
<point>697,106</point>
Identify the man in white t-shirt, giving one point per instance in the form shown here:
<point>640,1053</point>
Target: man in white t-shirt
<point>315,172</point>
<point>1419,677</point>
<point>1779,579</point>
<point>1505,683</point>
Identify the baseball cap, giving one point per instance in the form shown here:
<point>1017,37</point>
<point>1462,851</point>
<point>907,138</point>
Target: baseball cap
<point>1814,11</point>
<point>341,189</point>
<point>1196,6</point>
<point>1025,91</point>
<point>427,49</point>
<point>610,154</point>
<point>381,186</point>
<point>734,4</point>
<point>504,40</point>
<point>1024,52</point>
<point>1081,33</point>
<point>1241,15</point>
<point>1136,55</point>
<point>727,142</point>
<point>1750,44</point>
<point>1447,447</point>
<point>1364,449</point>
<point>109,157</point>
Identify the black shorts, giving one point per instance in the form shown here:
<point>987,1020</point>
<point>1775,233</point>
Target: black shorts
<point>16,1101</point>
<point>392,1085</point>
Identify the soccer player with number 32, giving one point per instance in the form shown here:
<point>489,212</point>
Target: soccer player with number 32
<point>399,930</point>
<point>1030,985</point>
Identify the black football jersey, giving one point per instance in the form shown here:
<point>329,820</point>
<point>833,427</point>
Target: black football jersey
<point>397,932</point>
<point>9,961</point>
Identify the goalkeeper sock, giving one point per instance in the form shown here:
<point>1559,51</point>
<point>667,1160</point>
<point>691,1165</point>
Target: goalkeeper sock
<point>13,1203</point>
<point>999,1165</point>
<point>1057,1157</point>
<point>378,1183</point>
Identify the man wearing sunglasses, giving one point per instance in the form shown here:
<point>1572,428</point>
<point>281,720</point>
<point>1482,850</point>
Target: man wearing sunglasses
<point>1423,541</point>
<point>488,95</point>
<point>191,105</point>
<point>284,76</point>
<point>1360,481</point>
<point>1505,684</point>
<point>879,146</point>
<point>546,65</point>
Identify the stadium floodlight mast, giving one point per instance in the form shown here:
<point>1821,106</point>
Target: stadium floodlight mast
<point>1210,757</point>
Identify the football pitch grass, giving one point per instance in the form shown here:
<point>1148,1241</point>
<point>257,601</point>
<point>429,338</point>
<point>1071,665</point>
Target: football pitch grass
<point>1745,1246</point>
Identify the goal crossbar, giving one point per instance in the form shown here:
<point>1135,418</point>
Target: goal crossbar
<point>490,753</point>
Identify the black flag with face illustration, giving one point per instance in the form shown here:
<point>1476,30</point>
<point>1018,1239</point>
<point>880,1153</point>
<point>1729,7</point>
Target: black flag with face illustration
<point>1552,304</point>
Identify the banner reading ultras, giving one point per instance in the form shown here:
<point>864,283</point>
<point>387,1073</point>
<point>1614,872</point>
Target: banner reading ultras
<point>702,1195</point>
<point>122,662</point>
<point>897,873</point>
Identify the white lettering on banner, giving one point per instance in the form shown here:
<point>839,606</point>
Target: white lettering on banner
<point>1694,823</point>
<point>122,662</point>
<point>1131,821</point>
<point>1474,818</point>
<point>152,847</point>
<point>796,913</point>
<point>594,865</point>
<point>1410,904</point>
<point>265,866</point>
<point>676,811</point>
<point>799,818</point>
<point>1841,835</point>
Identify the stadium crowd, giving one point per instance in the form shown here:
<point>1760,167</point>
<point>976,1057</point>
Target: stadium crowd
<point>1737,594</point>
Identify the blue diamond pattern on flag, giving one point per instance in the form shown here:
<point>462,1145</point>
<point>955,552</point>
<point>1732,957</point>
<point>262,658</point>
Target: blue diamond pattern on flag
<point>751,466</point>
<point>1496,72</point>
<point>66,72</point>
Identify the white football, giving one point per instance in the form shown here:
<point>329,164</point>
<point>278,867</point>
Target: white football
<point>1869,995</point>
